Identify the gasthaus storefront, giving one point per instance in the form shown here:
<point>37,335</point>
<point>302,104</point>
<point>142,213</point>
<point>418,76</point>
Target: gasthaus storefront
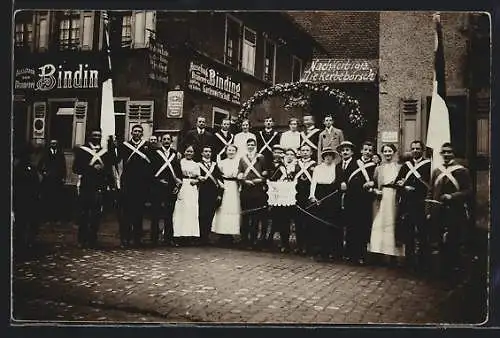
<point>56,97</point>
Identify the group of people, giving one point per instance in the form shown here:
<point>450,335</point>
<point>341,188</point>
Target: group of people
<point>250,186</point>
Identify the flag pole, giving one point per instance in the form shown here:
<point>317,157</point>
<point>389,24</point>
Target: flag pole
<point>438,129</point>
<point>107,122</point>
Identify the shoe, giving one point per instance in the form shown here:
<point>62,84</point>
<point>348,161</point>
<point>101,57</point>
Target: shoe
<point>361,262</point>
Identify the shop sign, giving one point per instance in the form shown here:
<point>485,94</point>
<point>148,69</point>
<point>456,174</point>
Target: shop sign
<point>175,103</point>
<point>390,136</point>
<point>341,71</point>
<point>49,77</point>
<point>207,80</point>
<point>158,61</point>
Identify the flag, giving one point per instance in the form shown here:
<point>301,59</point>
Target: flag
<point>107,102</point>
<point>438,130</point>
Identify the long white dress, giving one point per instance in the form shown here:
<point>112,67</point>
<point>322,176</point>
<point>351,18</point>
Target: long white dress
<point>227,218</point>
<point>382,239</point>
<point>185,218</point>
<point>240,141</point>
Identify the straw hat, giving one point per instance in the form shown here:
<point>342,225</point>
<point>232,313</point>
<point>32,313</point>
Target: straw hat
<point>344,144</point>
<point>329,151</point>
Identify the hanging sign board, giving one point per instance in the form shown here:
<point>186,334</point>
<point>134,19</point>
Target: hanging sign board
<point>175,103</point>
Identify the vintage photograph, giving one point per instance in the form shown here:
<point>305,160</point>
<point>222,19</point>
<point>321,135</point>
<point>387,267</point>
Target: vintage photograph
<point>250,167</point>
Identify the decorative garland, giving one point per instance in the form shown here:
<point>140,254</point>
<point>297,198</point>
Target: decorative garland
<point>298,90</point>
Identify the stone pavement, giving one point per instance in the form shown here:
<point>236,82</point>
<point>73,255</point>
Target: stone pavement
<point>206,284</point>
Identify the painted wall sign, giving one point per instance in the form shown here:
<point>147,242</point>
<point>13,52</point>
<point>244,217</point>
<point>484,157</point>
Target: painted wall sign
<point>50,76</point>
<point>175,103</point>
<point>390,136</point>
<point>207,80</point>
<point>340,71</point>
<point>158,61</point>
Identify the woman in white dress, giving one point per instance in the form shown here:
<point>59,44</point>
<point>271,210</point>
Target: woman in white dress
<point>240,139</point>
<point>185,218</point>
<point>382,239</point>
<point>227,218</point>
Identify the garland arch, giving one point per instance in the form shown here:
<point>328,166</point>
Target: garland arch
<point>292,90</point>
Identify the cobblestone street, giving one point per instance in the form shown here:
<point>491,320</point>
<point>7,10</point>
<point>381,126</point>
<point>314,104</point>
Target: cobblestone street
<point>59,282</point>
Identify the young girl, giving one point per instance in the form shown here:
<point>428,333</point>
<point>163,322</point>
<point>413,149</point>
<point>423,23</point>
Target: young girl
<point>227,218</point>
<point>185,219</point>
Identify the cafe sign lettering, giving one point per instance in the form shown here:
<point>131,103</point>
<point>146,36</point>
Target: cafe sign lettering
<point>209,81</point>
<point>50,76</point>
<point>340,71</point>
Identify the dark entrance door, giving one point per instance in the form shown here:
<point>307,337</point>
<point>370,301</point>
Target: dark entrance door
<point>20,124</point>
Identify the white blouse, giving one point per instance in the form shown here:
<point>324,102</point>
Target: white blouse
<point>240,141</point>
<point>190,168</point>
<point>322,174</point>
<point>290,139</point>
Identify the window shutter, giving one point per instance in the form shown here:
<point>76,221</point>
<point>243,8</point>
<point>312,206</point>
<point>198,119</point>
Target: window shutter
<point>139,18</point>
<point>79,123</point>
<point>43,31</point>
<point>150,25</point>
<point>39,116</point>
<point>483,126</point>
<point>87,30</point>
<point>409,126</point>
<point>140,112</point>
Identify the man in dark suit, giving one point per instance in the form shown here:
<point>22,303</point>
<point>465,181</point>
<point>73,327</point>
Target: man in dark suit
<point>133,185</point>
<point>358,202</point>
<point>414,178</point>
<point>222,139</point>
<point>266,139</point>
<point>198,138</point>
<point>52,167</point>
<point>209,192</point>
<point>344,169</point>
<point>93,165</point>
<point>165,184</point>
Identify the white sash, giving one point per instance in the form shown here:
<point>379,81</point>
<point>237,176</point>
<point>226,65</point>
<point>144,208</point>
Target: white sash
<point>209,172</point>
<point>306,139</point>
<point>362,167</point>
<point>447,172</point>
<point>226,143</point>
<point>96,156</point>
<point>413,170</point>
<point>267,144</point>
<point>168,163</point>
<point>135,150</point>
<point>303,170</point>
<point>250,166</point>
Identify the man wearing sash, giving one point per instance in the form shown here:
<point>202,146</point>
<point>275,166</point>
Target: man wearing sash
<point>133,185</point>
<point>345,168</point>
<point>252,174</point>
<point>450,188</point>
<point>358,202</point>
<point>330,137</point>
<point>93,165</point>
<point>303,178</point>
<point>266,139</point>
<point>166,181</point>
<point>222,139</point>
<point>310,135</point>
<point>210,196</point>
<point>414,178</point>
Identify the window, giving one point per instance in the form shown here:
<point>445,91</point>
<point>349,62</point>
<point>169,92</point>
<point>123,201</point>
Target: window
<point>120,113</point>
<point>248,57</point>
<point>144,25</point>
<point>269,61</point>
<point>127,29</point>
<point>233,34</point>
<point>69,31</point>
<point>87,30</point>
<point>24,34</point>
<point>217,117</point>
<point>296,69</point>
<point>42,31</point>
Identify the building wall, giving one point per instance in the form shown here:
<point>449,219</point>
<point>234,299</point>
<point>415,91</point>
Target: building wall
<point>406,61</point>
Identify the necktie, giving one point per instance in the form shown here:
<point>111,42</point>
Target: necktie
<point>344,166</point>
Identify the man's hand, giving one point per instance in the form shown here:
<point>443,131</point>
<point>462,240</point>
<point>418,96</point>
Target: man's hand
<point>249,182</point>
<point>368,185</point>
<point>446,197</point>
<point>164,181</point>
<point>409,188</point>
<point>343,186</point>
<point>400,182</point>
